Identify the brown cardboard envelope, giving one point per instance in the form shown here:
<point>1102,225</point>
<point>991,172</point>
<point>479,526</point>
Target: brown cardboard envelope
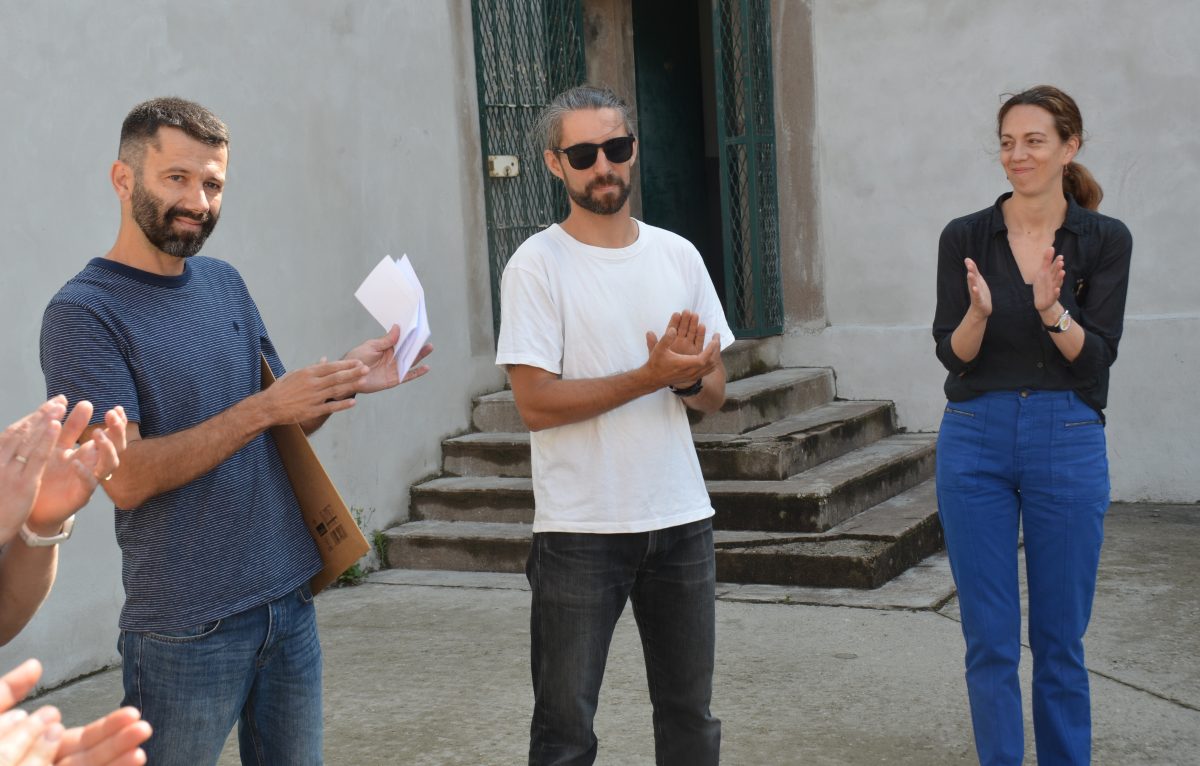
<point>333,529</point>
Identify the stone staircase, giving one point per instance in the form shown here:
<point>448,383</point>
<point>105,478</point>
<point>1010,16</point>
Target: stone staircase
<point>808,490</point>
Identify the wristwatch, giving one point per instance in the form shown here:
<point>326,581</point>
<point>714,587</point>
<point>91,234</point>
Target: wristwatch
<point>691,390</point>
<point>34,540</point>
<point>1062,325</point>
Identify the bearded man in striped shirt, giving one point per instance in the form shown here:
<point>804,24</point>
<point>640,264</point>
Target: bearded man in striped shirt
<point>218,624</point>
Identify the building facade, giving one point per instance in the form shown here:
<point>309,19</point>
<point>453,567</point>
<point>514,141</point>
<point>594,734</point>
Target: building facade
<point>813,149</point>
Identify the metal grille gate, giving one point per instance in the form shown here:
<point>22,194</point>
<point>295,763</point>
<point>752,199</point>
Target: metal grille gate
<point>746,145</point>
<point>526,51</point>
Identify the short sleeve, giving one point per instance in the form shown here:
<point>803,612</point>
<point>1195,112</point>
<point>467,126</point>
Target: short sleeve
<point>266,346</point>
<point>82,358</point>
<point>531,329</point>
<point>708,305</point>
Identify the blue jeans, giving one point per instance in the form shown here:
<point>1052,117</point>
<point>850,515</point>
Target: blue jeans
<point>260,668</point>
<point>1034,460</point>
<point>580,584</point>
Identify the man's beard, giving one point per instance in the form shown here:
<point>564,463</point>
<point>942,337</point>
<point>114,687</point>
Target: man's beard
<point>157,224</point>
<point>606,205</point>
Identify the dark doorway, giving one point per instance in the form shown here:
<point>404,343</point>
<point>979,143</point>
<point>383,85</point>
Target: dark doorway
<point>677,136</point>
<point>703,71</point>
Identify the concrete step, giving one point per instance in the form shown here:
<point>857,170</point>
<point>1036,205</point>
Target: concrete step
<point>796,443</point>
<point>473,498</point>
<point>487,453</point>
<point>829,494</point>
<point>497,413</point>
<point>761,399</point>
<point>807,490</point>
<point>750,403</point>
<point>751,357</point>
<point>864,552</point>
<point>462,546</point>
<point>812,501</point>
<point>775,451</point>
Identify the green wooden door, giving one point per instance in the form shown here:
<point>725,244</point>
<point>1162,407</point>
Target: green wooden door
<point>526,52</point>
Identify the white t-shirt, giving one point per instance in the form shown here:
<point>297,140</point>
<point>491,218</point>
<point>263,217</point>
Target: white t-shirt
<point>583,312</point>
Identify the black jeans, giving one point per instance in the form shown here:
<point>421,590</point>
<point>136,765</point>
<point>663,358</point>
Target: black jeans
<point>580,584</point>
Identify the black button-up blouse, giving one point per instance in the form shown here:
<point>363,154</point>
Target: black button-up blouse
<point>1017,352</point>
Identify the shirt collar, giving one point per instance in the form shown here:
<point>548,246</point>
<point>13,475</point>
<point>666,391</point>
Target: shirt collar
<point>145,277</point>
<point>1074,222</point>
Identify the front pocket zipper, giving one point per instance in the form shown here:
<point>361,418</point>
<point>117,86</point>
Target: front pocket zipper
<point>1078,423</point>
<point>953,411</point>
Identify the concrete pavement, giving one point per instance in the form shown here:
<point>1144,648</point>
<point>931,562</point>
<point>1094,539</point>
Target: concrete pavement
<point>432,667</point>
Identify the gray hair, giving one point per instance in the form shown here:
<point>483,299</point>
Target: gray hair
<point>549,125</point>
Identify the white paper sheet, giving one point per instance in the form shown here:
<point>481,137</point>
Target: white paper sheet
<point>394,296</point>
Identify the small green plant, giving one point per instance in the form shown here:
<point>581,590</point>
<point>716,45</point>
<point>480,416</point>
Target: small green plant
<point>379,540</point>
<point>358,572</point>
<point>355,575</point>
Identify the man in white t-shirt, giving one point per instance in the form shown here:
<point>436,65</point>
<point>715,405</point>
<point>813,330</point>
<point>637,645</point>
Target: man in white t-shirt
<point>621,510</point>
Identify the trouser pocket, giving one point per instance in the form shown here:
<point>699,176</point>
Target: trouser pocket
<point>960,444</point>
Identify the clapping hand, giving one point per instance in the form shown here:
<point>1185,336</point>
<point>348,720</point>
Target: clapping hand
<point>680,358</point>
<point>71,471</point>
<point>1047,282</point>
<point>24,450</point>
<point>41,739</point>
<point>981,295</point>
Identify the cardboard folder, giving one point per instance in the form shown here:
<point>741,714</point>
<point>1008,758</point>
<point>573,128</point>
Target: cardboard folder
<point>333,529</point>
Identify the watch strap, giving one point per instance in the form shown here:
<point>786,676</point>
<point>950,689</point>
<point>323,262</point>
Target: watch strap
<point>1062,324</point>
<point>34,540</point>
<point>691,390</point>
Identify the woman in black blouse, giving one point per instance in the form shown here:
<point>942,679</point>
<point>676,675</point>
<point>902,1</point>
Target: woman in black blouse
<point>1030,302</point>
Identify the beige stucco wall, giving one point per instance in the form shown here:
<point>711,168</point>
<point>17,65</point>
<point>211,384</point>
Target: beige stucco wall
<point>891,135</point>
<point>355,134</point>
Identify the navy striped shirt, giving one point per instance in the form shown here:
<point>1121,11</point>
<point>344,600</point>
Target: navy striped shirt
<point>174,352</point>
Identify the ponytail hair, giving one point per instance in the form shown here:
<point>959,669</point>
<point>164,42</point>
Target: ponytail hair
<point>1077,180</point>
<point>1080,184</point>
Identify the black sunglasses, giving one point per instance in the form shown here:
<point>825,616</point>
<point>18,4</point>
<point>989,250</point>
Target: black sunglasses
<point>583,156</point>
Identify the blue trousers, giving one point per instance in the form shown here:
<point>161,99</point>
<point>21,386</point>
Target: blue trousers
<point>580,584</point>
<point>1032,461</point>
<point>260,669</point>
